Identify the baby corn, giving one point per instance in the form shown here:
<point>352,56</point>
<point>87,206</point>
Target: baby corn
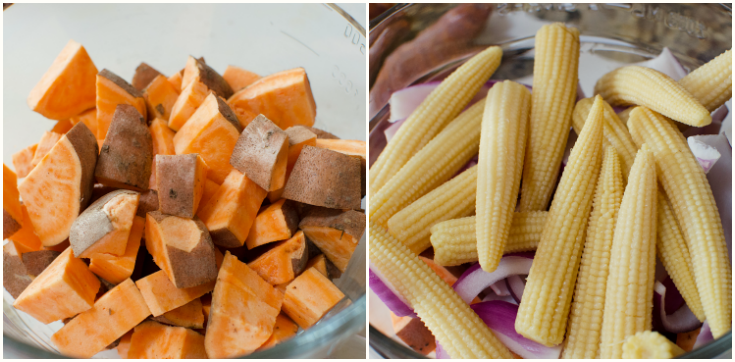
<point>434,113</point>
<point>542,314</point>
<point>455,241</point>
<point>432,166</point>
<point>459,330</point>
<point>711,84</point>
<point>650,345</point>
<point>655,90</point>
<point>585,322</point>
<point>454,199</point>
<point>694,206</point>
<point>500,164</point>
<point>554,93</point>
<point>629,294</point>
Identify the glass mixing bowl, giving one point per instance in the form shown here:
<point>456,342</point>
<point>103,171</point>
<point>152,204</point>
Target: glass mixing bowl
<point>323,39</point>
<point>612,35</point>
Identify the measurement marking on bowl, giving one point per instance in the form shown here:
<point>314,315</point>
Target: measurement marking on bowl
<point>299,41</point>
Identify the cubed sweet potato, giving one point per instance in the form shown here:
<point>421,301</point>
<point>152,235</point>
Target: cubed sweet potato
<point>22,160</point>
<point>163,144</point>
<point>189,315</point>
<point>335,232</point>
<point>324,266</point>
<point>148,202</point>
<point>354,148</point>
<point>37,261</point>
<point>189,100</point>
<point>68,86</point>
<point>115,270</point>
<point>124,345</point>
<point>212,132</point>
<point>127,153</point>
<point>261,153</point>
<point>102,230</point>
<point>113,315</point>
<point>62,126</point>
<point>89,118</point>
<point>180,183</point>
<point>144,75</point>
<point>61,247</point>
<point>65,289</point>
<point>309,297</point>
<point>284,261</point>
<point>414,333</point>
<point>12,211</point>
<point>182,248</point>
<point>210,188</point>
<point>298,137</point>
<point>111,92</point>
<point>161,295</point>
<point>15,274</point>
<point>60,187</point>
<point>322,134</point>
<point>47,142</point>
<point>157,341</point>
<point>284,329</point>
<point>231,211</point>
<point>196,68</point>
<point>175,80</point>
<point>239,78</point>
<point>160,96</point>
<point>278,221</point>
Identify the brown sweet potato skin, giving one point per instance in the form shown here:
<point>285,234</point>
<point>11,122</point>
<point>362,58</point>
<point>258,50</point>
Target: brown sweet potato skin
<point>177,180</point>
<point>351,222</point>
<point>92,224</point>
<point>261,153</point>
<point>323,134</point>
<point>325,178</point>
<point>37,261</point>
<point>85,144</point>
<point>148,202</point>
<point>10,225</point>
<point>144,74</point>
<point>15,274</point>
<point>213,80</point>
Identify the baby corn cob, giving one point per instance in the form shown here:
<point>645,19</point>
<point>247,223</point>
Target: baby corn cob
<point>585,322</point>
<point>432,166</point>
<point>500,164</point>
<point>455,241</point>
<point>454,199</point>
<point>461,332</point>
<point>434,113</point>
<point>655,90</point>
<point>629,293</point>
<point>650,345</point>
<point>542,314</point>
<point>554,92</point>
<point>694,206</point>
<point>711,84</point>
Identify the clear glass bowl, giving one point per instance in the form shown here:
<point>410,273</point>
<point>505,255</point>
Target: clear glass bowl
<point>612,35</point>
<point>323,39</point>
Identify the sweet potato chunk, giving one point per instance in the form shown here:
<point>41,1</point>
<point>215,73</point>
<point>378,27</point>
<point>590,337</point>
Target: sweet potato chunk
<point>231,211</point>
<point>309,297</point>
<point>354,148</point>
<point>154,340</point>
<point>113,315</point>
<point>15,274</point>
<point>111,92</point>
<point>182,248</point>
<point>59,187</point>
<point>160,96</point>
<point>196,68</point>
<point>175,80</point>
<point>89,118</point>
<point>298,137</point>
<point>210,188</point>
<point>163,144</point>
<point>144,75</point>
<point>243,312</point>
<point>325,178</point>
<point>37,261</point>
<point>212,132</point>
<point>189,315</point>
<point>68,87</point>
<point>102,230</point>
<point>284,261</point>
<point>161,295</point>
<point>239,78</point>
<point>180,183</point>
<point>190,99</point>
<point>62,126</point>
<point>414,333</point>
<point>124,345</point>
<point>47,142</point>
<point>284,329</point>
<point>261,153</point>
<point>22,160</point>
<point>12,211</point>
<point>127,153</point>
<point>324,266</point>
<point>276,222</point>
<point>284,97</point>
<point>65,289</point>
<point>115,270</point>
<point>322,134</point>
<point>148,202</point>
<point>335,232</point>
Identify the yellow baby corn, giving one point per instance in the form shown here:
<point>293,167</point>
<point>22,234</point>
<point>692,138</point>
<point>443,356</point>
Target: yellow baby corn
<point>585,321</point>
<point>455,241</point>
<point>434,113</point>
<point>650,345</point>
<point>655,90</point>
<point>459,330</point>
<point>674,254</point>
<point>554,93</point>
<point>629,294</point>
<point>711,84</point>
<point>500,164</point>
<point>432,166</point>
<point>454,199</point>
<point>694,206</point>
<point>542,314</point>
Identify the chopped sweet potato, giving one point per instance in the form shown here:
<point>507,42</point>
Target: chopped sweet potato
<point>352,148</point>
<point>284,329</point>
<point>443,273</point>
<point>37,261</point>
<point>148,202</point>
<point>124,345</point>
<point>175,80</point>
<point>188,101</point>
<point>324,266</point>
<point>89,118</point>
<point>102,230</point>
<point>157,341</point>
<point>60,187</point>
<point>309,297</point>
<point>278,221</point>
<point>62,126</point>
<point>326,178</point>
<point>231,211</point>
<point>189,315</point>
<point>113,315</point>
<point>12,210</point>
<point>47,142</point>
<point>15,274</point>
<point>210,188</point>
<point>180,183</point>
<point>65,289</point>
<point>115,270</point>
<point>144,75</point>
<point>22,160</point>
<point>284,261</point>
<point>261,153</point>
<point>298,137</point>
<point>322,134</point>
<point>163,144</point>
<point>160,97</point>
<point>127,153</point>
<point>161,295</point>
<point>68,86</point>
<point>239,78</point>
<point>218,258</point>
<point>58,247</point>
<point>335,232</point>
<point>182,248</point>
<point>111,92</point>
<point>207,304</point>
<point>284,97</point>
<point>243,312</point>
<point>196,68</point>
<point>414,333</point>
<point>212,132</point>
<point>686,340</point>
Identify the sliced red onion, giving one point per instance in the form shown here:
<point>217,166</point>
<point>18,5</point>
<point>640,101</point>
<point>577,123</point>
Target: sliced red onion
<point>440,352</point>
<point>674,300</point>
<point>720,180</point>
<point>705,154</point>
<point>474,280</point>
<point>516,284</point>
<point>504,298</point>
<point>500,288</point>
<point>683,320</point>
<point>522,254</point>
<point>666,63</point>
<point>405,101</point>
<point>391,299</point>
<point>393,129</point>
<point>704,337</point>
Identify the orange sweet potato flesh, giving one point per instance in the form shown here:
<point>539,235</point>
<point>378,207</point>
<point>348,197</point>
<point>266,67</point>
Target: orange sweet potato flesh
<point>284,261</point>
<point>63,290</point>
<point>163,144</point>
<point>175,80</point>
<point>144,75</point>
<point>414,333</point>
<point>180,182</point>
<point>187,103</point>
<point>239,78</point>
<point>284,97</point>
<point>47,142</point>
<point>284,329</point>
<point>243,312</point>
<point>160,96</point>
<point>162,296</point>
<point>309,297</point>
<point>12,211</point>
<point>89,118</point>
<point>198,69</point>
<point>68,86</point>
<point>111,92</point>
<point>113,315</point>
<point>324,266</point>
<point>278,221</point>
<point>152,340</point>
<point>261,153</point>
<point>686,340</point>
<point>124,345</point>
<point>103,229</point>
<point>336,233</point>
<point>62,126</point>
<point>210,188</point>
<point>117,269</point>
<point>22,160</point>
<point>189,315</point>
